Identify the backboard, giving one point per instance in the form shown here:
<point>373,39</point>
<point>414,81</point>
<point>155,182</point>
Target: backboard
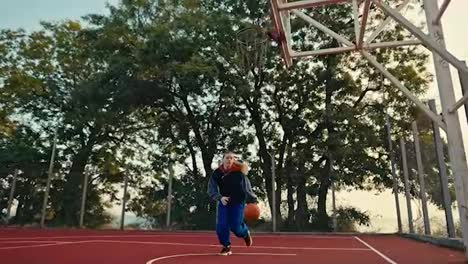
<point>282,23</point>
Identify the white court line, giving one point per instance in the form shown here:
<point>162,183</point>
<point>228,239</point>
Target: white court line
<point>169,235</point>
<point>389,260</point>
<point>58,243</point>
<point>216,245</point>
<point>44,245</point>
<point>29,241</point>
<point>211,254</point>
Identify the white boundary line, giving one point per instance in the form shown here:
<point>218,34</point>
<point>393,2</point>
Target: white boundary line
<point>216,245</point>
<point>44,245</point>
<point>31,246</point>
<point>169,235</point>
<point>58,243</point>
<point>29,241</point>
<point>212,254</point>
<point>389,260</point>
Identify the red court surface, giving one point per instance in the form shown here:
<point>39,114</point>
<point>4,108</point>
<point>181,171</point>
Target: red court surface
<point>139,247</point>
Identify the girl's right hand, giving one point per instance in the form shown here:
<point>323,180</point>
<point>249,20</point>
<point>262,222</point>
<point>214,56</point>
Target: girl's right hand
<point>224,200</point>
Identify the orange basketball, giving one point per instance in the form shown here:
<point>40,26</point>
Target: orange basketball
<point>251,212</point>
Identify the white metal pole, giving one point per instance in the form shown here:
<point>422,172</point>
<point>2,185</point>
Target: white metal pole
<point>432,43</point>
<point>306,4</point>
<point>439,149</point>
<point>12,194</point>
<point>356,19</point>
<point>459,103</point>
<point>273,193</point>
<point>124,202</point>
<point>394,176</point>
<point>323,28</point>
<point>169,197</point>
<point>392,44</point>
<point>298,54</point>
<point>464,88</point>
<point>422,184</point>
<point>443,7</point>
<point>385,23</point>
<point>49,179</point>
<point>407,185</point>
<point>403,89</point>
<point>454,133</point>
<point>335,222</point>
<point>83,199</point>
<point>332,178</point>
<point>363,26</point>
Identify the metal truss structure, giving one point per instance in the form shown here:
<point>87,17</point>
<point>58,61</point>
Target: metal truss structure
<point>433,40</point>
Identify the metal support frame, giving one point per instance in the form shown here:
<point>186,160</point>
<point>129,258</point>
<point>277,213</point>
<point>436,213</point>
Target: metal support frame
<point>83,198</point>
<point>439,150</point>
<point>394,176</point>
<point>49,179</point>
<point>362,28</point>
<point>124,202</point>
<point>273,193</point>
<point>308,4</point>
<point>421,176</point>
<point>331,172</point>
<point>279,6</point>
<point>366,46</point>
<point>169,197</point>
<point>459,103</point>
<point>404,90</point>
<point>443,7</point>
<point>356,21</point>
<point>404,162</point>
<point>391,44</point>
<point>447,97</point>
<point>385,23</point>
<point>334,215</point>
<point>323,28</point>
<point>434,41</point>
<point>464,88</point>
<point>12,194</point>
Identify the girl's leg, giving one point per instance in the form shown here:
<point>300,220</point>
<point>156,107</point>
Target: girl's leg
<point>236,220</point>
<point>222,225</point>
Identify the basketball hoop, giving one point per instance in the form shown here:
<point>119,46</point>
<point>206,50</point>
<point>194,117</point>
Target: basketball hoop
<point>252,44</point>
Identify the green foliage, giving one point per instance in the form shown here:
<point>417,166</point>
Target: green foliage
<point>156,84</point>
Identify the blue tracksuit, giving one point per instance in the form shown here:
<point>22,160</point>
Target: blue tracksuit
<point>237,187</point>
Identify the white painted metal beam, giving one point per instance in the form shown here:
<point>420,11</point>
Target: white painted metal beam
<point>428,42</point>
<point>382,26</point>
<point>442,9</point>
<point>362,28</point>
<point>323,28</point>
<point>404,90</point>
<point>308,4</point>
<point>391,44</point>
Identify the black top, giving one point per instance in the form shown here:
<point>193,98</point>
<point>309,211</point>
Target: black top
<point>232,184</point>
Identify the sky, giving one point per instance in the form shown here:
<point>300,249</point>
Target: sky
<point>28,13</point>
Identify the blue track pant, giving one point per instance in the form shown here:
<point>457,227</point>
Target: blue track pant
<point>230,218</point>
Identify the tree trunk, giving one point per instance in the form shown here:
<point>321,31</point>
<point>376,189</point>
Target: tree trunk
<point>280,172</point>
<point>19,217</point>
<point>266,158</point>
<point>302,212</point>
<point>291,210</point>
<point>290,171</point>
<point>74,179</point>
<point>323,219</point>
<point>325,180</point>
